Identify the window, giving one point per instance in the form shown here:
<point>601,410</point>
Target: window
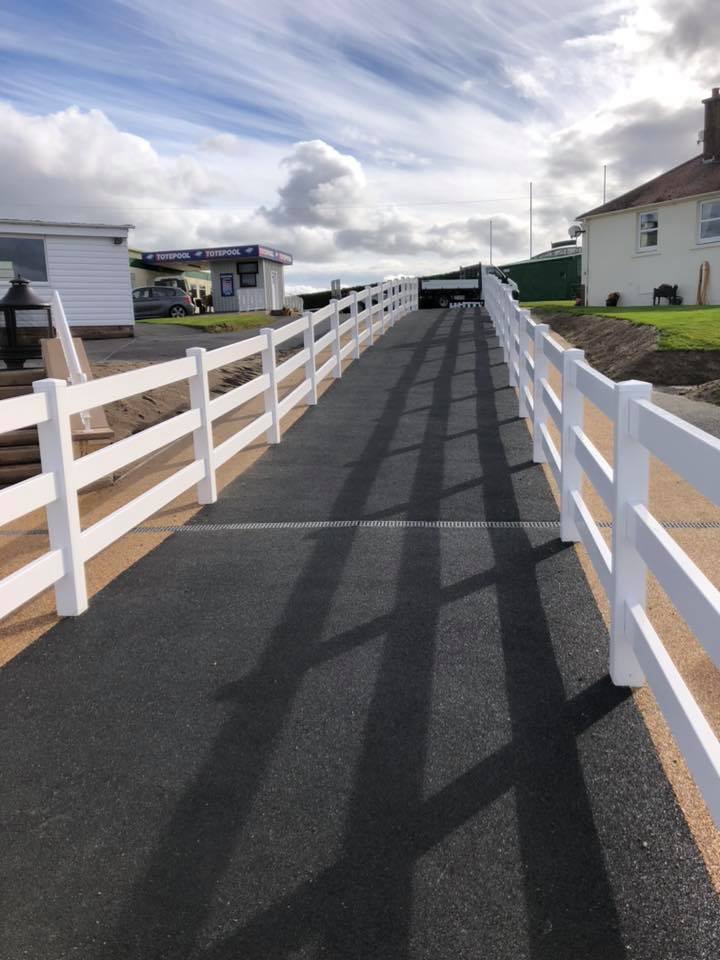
<point>142,293</point>
<point>248,273</point>
<point>23,257</point>
<point>709,221</point>
<point>648,231</point>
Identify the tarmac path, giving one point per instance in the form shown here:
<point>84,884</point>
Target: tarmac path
<point>378,725</point>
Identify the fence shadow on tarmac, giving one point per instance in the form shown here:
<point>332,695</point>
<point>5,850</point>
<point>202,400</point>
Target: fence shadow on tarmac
<point>362,905</point>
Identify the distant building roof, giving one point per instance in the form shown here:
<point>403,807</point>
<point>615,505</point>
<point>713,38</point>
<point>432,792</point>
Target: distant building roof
<point>65,223</point>
<point>690,179</point>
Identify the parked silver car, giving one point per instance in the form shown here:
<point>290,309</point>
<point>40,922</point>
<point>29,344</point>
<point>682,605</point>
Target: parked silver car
<point>161,302</point>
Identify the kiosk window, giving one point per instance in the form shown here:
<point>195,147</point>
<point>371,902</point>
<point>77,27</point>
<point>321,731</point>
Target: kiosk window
<point>248,273</point>
<point>25,257</point>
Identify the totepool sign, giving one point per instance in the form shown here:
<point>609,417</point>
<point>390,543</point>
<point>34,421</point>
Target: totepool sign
<point>219,253</point>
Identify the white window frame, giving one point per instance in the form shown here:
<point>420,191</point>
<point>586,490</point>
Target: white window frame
<point>640,231</point>
<point>700,221</point>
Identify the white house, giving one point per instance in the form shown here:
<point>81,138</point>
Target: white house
<point>662,232</point>
<point>86,262</point>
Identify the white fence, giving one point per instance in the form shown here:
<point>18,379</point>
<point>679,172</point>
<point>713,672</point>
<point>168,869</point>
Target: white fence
<point>639,543</point>
<point>371,312</point>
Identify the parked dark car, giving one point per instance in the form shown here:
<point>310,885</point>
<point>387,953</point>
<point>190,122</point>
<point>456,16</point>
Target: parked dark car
<point>161,302</point>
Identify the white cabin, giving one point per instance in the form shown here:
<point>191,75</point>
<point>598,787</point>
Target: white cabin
<point>86,262</point>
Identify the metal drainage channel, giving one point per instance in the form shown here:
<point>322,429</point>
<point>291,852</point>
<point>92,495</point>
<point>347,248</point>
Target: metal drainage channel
<point>250,525</point>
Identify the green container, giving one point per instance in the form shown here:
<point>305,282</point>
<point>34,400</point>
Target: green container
<point>546,278</point>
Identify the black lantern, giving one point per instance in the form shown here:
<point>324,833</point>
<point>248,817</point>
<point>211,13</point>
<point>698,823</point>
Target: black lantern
<point>20,344</point>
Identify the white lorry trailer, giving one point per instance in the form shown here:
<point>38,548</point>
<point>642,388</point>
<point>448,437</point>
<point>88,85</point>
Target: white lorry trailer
<point>445,291</point>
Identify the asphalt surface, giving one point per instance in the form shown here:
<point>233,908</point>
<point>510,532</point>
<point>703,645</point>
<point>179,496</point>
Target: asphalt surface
<point>349,743</point>
<point>704,415</point>
<point>154,341</point>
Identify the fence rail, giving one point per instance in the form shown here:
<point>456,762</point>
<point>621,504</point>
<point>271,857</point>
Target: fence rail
<point>639,543</point>
<point>52,404</point>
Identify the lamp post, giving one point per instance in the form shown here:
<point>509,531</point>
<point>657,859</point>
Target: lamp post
<point>19,345</point>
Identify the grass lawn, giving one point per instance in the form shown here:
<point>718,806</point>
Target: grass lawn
<point>681,328</point>
<point>218,322</point>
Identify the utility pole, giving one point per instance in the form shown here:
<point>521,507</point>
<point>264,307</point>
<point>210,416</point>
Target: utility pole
<point>491,239</point>
<point>531,220</point>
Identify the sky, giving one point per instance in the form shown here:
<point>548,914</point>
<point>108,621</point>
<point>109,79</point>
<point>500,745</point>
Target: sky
<point>369,138</point>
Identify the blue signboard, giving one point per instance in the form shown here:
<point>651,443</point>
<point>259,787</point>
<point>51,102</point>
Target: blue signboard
<point>227,287</point>
<point>236,252</point>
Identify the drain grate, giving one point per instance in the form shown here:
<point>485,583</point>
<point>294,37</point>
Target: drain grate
<point>250,525</point>
<point>357,524</point>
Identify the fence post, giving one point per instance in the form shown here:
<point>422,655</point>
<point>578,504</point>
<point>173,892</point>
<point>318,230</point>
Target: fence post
<point>356,325</point>
<point>369,305</point>
<point>310,367</point>
<point>203,445</point>
<point>335,327</point>
<point>523,375</point>
<point>271,393</point>
<point>539,374</point>
<point>503,317</point>
<point>511,342</point>
<point>63,514</point>
<point>631,463</point>
<point>381,301</point>
<point>570,471</point>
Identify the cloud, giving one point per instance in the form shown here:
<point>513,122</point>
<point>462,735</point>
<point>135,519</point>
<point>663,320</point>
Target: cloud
<point>322,184</point>
<point>82,162</point>
<point>694,30</point>
<point>362,150</point>
<point>395,234</point>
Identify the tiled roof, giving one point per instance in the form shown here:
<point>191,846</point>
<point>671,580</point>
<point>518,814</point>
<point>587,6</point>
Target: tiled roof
<point>688,180</point>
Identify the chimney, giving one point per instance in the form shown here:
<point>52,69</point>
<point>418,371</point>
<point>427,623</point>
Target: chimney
<point>711,133</point>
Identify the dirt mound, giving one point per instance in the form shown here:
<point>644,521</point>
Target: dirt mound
<point>616,347</point>
<point>143,410</point>
<point>709,392</point>
<point>625,351</point>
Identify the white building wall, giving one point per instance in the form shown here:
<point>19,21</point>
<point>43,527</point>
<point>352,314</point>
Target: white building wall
<point>611,259</point>
<point>246,299</point>
<point>91,272</point>
<point>268,268</point>
<point>92,275</point>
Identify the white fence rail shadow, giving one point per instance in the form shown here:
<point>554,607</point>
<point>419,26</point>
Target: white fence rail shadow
<point>371,312</point>
<point>639,543</point>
